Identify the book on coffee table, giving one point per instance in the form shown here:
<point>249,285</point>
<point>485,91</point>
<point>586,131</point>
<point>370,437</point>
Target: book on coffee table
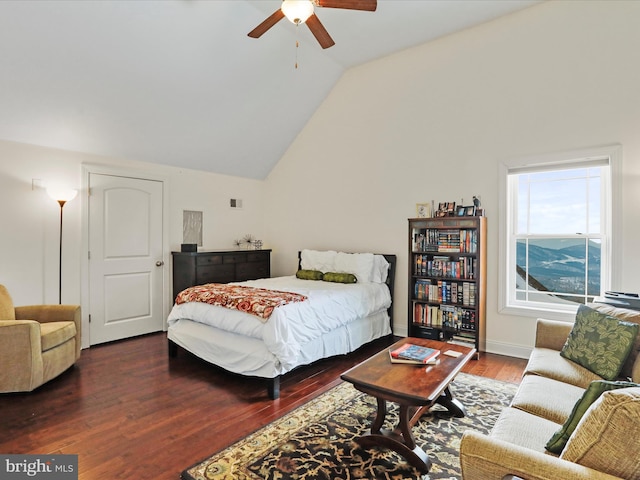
<point>414,353</point>
<point>433,361</point>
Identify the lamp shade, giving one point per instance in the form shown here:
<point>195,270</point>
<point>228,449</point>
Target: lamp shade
<point>297,11</point>
<point>62,193</point>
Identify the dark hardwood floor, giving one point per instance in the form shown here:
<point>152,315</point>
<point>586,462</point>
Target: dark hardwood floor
<point>130,412</point>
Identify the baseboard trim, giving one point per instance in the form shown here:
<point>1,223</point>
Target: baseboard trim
<point>508,349</point>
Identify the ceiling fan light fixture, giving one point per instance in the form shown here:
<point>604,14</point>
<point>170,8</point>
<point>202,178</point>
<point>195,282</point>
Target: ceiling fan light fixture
<point>297,11</point>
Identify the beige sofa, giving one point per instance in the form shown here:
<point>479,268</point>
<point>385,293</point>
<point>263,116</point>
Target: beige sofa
<point>604,445</point>
<point>37,343</point>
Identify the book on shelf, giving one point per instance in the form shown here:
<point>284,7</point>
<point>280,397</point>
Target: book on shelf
<point>416,353</point>
<point>464,340</point>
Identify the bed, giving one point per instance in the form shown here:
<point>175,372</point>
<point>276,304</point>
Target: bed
<point>320,319</point>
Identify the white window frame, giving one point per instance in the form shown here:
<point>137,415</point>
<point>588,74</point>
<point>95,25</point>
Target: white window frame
<point>611,207</point>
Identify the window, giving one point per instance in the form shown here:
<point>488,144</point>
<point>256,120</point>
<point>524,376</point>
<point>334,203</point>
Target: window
<point>557,230</point>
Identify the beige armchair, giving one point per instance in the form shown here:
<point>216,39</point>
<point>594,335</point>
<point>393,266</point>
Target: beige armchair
<point>37,343</point>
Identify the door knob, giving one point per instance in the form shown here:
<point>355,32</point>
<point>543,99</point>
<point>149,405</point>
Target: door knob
<point>159,263</point>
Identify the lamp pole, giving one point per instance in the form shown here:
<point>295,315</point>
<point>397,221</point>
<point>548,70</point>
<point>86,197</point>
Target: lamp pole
<point>61,202</point>
<point>61,196</point>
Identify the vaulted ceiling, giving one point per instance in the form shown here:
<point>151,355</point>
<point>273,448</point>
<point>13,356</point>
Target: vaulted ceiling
<point>179,82</point>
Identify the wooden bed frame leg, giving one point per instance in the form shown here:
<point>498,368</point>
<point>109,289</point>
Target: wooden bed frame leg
<point>273,388</point>
<point>173,349</point>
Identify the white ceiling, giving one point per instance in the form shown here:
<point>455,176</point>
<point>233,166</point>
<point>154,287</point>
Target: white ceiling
<point>178,82</point>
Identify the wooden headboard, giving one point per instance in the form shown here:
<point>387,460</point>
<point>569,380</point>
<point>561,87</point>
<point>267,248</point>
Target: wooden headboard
<point>391,278</point>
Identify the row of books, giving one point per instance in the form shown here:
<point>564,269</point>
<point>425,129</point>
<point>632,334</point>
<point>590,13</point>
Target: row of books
<point>442,291</point>
<point>442,266</point>
<point>462,339</point>
<point>444,316</point>
<point>445,240</point>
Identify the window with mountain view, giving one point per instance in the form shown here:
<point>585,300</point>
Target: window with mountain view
<point>559,229</point>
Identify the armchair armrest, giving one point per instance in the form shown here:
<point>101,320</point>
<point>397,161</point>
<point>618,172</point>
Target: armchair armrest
<point>48,313</point>
<point>552,333</point>
<point>485,458</point>
<point>20,355</point>
<point>54,313</point>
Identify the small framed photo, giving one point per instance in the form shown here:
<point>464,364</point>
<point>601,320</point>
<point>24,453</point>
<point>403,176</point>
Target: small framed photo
<point>451,208</point>
<point>423,210</point>
<point>442,209</point>
<point>461,211</point>
<point>470,211</point>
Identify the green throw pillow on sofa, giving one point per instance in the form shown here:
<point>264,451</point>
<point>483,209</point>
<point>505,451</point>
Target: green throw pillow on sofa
<point>559,439</point>
<point>339,277</point>
<point>599,342</point>
<point>309,274</point>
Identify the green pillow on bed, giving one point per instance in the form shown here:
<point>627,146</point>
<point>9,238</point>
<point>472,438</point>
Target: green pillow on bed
<point>309,274</point>
<point>339,277</point>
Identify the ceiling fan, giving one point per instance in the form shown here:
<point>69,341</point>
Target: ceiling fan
<point>301,11</point>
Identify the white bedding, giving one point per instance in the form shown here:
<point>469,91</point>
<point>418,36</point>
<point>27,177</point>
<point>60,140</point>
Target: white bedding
<point>296,325</point>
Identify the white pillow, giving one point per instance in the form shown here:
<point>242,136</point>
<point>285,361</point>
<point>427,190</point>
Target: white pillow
<point>317,260</point>
<point>359,264</point>
<point>380,269</point>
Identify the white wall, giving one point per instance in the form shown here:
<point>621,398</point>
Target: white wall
<point>30,219</point>
<point>429,123</point>
<point>434,123</point>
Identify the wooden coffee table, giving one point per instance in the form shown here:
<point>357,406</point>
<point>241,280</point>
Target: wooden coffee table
<point>416,388</point>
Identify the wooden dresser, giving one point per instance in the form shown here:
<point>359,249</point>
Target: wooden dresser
<point>218,266</point>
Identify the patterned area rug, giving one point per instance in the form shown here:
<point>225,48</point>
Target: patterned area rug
<point>315,441</point>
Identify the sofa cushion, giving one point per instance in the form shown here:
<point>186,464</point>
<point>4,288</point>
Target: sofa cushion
<point>56,333</point>
<point>546,398</point>
<point>599,342</point>
<point>548,363</point>
<point>608,436</point>
<point>7,312</point>
<point>524,429</point>
<point>631,367</point>
<point>559,439</point>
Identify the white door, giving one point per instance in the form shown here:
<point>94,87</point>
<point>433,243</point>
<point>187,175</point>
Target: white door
<point>125,257</point>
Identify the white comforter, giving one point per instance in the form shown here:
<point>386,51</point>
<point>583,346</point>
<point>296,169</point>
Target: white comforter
<point>290,327</point>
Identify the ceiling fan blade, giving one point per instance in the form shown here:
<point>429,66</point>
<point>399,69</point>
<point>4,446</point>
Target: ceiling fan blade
<point>368,5</point>
<point>267,24</point>
<point>318,30</point>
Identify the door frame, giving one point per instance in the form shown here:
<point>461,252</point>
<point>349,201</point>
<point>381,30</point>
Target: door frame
<point>87,170</point>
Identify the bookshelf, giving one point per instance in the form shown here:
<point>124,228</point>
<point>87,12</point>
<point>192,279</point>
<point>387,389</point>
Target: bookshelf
<point>447,279</point>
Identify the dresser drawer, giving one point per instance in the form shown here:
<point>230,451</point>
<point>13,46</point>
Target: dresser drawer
<point>215,274</point>
<point>258,257</point>
<point>208,260</point>
<point>235,258</point>
<point>253,270</point>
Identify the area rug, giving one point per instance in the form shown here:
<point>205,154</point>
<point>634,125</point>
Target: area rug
<point>315,441</point>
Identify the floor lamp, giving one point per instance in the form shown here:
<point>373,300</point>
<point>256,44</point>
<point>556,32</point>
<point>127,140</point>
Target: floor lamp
<point>62,196</point>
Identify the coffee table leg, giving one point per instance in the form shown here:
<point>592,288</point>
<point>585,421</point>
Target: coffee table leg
<point>453,405</point>
<point>401,440</point>
<point>380,416</point>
